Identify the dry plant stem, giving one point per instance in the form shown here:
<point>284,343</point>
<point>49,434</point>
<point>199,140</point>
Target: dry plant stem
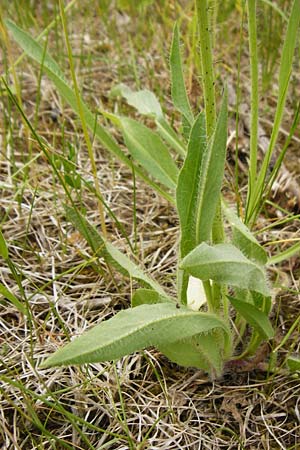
<point>254,97</point>
<point>82,119</point>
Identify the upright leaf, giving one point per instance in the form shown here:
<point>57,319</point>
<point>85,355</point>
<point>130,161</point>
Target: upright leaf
<point>178,90</point>
<point>188,186</point>
<point>211,177</point>
<point>148,149</point>
<point>225,264</point>
<point>256,318</point>
<point>3,247</point>
<point>244,239</point>
<point>135,329</point>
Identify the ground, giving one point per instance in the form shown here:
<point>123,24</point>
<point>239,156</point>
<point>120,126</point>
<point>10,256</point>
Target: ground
<point>143,401</point>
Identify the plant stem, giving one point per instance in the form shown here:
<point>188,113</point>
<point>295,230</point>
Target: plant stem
<point>207,74</point>
<point>214,293</point>
<point>254,102</point>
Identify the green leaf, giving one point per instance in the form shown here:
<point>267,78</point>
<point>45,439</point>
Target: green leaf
<point>145,102</point>
<point>256,318</point>
<point>36,52</point>
<point>3,247</point>
<point>6,293</point>
<point>188,186</point>
<point>211,177</point>
<point>225,264</point>
<point>204,351</point>
<point>135,329</point>
<point>148,297</point>
<point>148,149</point>
<point>293,363</point>
<point>112,255</point>
<point>244,239</point>
<point>178,90</point>
<point>284,255</point>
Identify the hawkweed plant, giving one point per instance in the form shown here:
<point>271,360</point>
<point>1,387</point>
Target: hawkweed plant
<point>223,290</point>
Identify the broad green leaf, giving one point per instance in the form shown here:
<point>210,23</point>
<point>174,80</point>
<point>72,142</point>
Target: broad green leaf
<point>3,247</point>
<point>225,264</point>
<point>135,329</point>
<point>36,52</point>
<point>211,177</point>
<point>112,255</point>
<point>6,293</point>
<point>188,186</point>
<point>145,102</point>
<point>148,297</point>
<point>178,90</point>
<point>148,149</point>
<point>244,239</point>
<point>256,318</point>
<point>201,351</point>
<point>293,363</point>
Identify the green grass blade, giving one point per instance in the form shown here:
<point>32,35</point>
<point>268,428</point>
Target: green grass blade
<point>284,78</point>
<point>286,254</point>
<point>111,254</point>
<point>6,293</point>
<point>3,247</point>
<point>225,264</point>
<point>178,90</point>
<point>36,52</point>
<point>211,177</point>
<point>256,318</point>
<point>147,148</point>
<point>134,329</point>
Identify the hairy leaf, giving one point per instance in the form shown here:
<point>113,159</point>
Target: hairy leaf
<point>211,177</point>
<point>178,90</point>
<point>256,318</point>
<point>148,297</point>
<point>244,239</point>
<point>148,149</point>
<point>135,329</point>
<point>225,264</point>
<point>188,186</point>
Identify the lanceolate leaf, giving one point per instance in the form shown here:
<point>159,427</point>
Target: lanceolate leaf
<point>211,177</point>
<point>225,264</point>
<point>179,95</point>
<point>244,239</point>
<point>148,149</point>
<point>3,247</point>
<point>112,255</point>
<point>188,186</point>
<point>135,329</point>
<point>6,293</point>
<point>36,51</point>
<point>256,318</point>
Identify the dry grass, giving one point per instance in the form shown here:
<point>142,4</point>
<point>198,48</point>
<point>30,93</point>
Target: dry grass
<point>142,401</point>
